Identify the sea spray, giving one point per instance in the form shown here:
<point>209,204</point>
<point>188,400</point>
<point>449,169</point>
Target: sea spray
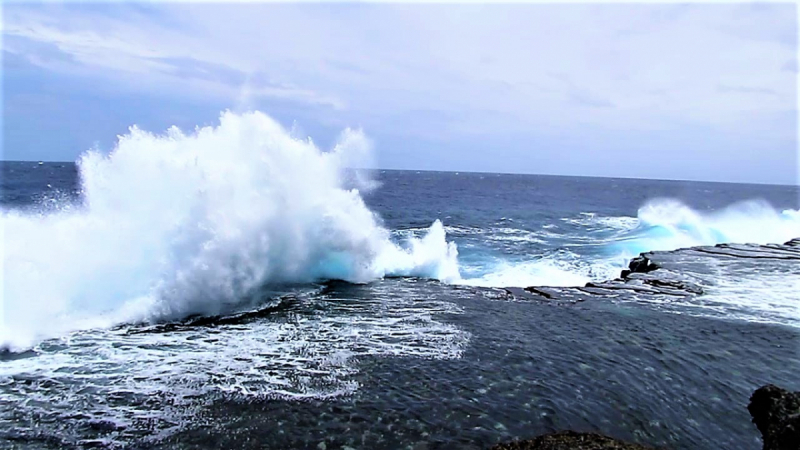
<point>668,224</point>
<point>661,224</point>
<point>193,223</point>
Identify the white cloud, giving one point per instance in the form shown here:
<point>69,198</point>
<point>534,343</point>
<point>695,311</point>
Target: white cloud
<point>476,71</point>
<point>144,50</point>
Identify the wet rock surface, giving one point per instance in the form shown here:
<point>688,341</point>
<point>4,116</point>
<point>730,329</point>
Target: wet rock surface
<point>672,274</point>
<point>570,440</point>
<point>776,413</point>
<point>640,264</point>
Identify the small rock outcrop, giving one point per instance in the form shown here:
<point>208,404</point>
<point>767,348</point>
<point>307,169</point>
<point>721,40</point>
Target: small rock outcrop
<point>776,413</point>
<point>668,274</point>
<point>640,264</point>
<point>570,440</point>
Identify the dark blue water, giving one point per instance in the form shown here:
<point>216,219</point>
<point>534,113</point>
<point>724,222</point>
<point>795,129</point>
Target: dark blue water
<point>421,363</point>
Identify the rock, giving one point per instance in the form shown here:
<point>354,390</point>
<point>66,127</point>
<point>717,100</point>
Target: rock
<point>776,413</point>
<point>640,264</point>
<point>679,276</point>
<point>535,290</point>
<point>569,440</point>
<point>793,243</point>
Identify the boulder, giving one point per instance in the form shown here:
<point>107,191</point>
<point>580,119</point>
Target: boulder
<point>640,264</point>
<point>776,413</point>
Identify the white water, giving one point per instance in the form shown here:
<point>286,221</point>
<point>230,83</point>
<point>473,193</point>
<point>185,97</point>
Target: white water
<point>661,224</point>
<point>543,272</point>
<point>192,223</point>
<point>667,224</point>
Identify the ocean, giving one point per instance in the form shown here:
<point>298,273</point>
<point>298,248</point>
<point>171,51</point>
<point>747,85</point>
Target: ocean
<point>238,288</point>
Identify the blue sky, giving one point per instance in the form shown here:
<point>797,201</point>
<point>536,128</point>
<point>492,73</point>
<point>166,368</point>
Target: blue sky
<point>699,91</point>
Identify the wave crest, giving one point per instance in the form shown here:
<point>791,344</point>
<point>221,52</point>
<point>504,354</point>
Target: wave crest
<point>668,224</point>
<point>193,223</point>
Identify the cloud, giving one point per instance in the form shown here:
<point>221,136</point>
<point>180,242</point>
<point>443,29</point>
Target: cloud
<point>474,73</point>
<point>587,99</point>
<point>130,50</point>
<point>747,90</point>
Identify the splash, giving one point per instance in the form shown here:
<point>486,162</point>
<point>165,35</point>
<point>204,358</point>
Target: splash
<point>667,224</point>
<point>661,224</point>
<point>195,223</point>
<point>541,272</point>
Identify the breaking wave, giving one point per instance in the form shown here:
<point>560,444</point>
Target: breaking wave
<point>195,223</point>
<point>668,224</point>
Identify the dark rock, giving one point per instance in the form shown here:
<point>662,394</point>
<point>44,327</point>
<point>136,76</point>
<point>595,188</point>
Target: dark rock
<point>569,440</point>
<point>9,355</point>
<point>640,264</point>
<point>534,290</point>
<point>94,443</point>
<point>677,285</point>
<point>776,413</point>
<point>104,426</point>
<point>674,275</point>
<point>793,243</point>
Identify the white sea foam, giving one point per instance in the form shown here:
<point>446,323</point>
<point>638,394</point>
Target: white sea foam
<point>186,223</point>
<point>668,224</point>
<point>310,354</point>
<point>561,269</point>
<point>592,221</point>
<point>661,224</point>
<point>528,273</point>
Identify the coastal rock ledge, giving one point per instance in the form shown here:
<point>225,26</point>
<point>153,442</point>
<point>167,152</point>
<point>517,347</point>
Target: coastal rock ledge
<point>776,413</point>
<point>569,440</point>
<point>669,274</point>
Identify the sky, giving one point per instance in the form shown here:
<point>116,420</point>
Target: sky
<point>668,91</point>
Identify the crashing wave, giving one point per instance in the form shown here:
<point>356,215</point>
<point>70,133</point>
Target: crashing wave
<point>194,223</point>
<point>668,224</point>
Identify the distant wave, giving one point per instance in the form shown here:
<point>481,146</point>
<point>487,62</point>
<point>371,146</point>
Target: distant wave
<point>661,224</point>
<point>668,224</point>
<point>180,224</point>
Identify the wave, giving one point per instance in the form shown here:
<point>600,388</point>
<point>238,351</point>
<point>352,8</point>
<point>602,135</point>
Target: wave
<point>194,223</point>
<point>542,272</point>
<point>668,224</point>
<point>661,224</point>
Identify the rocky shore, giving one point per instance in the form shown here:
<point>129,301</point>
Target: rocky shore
<point>775,412</point>
<point>664,273</point>
<point>570,440</point>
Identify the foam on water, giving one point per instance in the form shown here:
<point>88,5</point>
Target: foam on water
<point>310,350</point>
<point>543,272</point>
<point>193,223</point>
<point>593,221</point>
<point>563,268</point>
<point>668,224</point>
<point>760,296</point>
<point>661,224</point>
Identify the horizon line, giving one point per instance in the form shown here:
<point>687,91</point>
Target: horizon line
<point>608,177</point>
